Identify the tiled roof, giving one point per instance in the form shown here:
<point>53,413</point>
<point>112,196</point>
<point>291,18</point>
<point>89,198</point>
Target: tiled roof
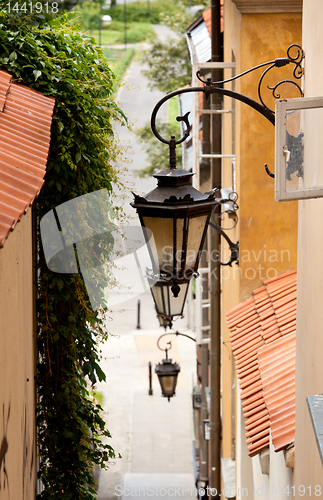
<point>207,18</point>
<point>262,337</point>
<point>25,122</point>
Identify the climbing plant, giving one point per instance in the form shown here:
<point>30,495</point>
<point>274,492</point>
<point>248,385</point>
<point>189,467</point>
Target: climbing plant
<point>55,58</point>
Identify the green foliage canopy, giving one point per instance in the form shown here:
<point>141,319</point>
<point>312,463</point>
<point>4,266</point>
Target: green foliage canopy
<point>56,59</point>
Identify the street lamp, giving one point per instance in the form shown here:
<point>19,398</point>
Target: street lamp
<point>167,371</point>
<point>178,216</point>
<point>125,22</point>
<point>167,305</point>
<point>103,20</point>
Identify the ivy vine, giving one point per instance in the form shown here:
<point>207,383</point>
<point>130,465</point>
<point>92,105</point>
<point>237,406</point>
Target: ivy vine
<point>56,59</point>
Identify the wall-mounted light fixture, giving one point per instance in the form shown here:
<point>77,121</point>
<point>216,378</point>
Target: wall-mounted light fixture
<point>177,214</point>
<point>167,371</point>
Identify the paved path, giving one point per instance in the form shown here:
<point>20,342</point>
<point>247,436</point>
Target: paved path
<point>154,436</point>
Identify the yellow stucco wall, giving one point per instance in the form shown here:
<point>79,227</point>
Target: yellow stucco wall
<point>17,412</point>
<point>309,336</point>
<point>268,230</point>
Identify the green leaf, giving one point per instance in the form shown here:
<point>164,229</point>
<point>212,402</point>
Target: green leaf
<point>100,373</point>
<point>13,56</point>
<point>36,73</point>
<point>60,284</point>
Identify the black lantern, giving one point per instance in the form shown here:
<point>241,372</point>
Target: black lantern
<point>167,373</point>
<point>165,322</point>
<point>177,215</point>
<point>167,305</point>
<point>166,370</point>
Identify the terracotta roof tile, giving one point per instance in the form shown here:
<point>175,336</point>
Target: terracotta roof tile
<point>25,123</point>
<point>258,446</point>
<point>263,343</point>
<point>233,313</point>
<point>255,410</point>
<point>277,368</point>
<point>261,416</point>
<point>207,18</point>
<point>256,430</point>
<point>249,380</point>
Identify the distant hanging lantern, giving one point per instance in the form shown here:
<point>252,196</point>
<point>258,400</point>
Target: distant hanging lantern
<point>167,373</point>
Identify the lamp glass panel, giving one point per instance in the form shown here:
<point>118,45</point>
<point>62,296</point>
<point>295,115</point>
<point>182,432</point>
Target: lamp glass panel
<point>177,303</point>
<point>179,242</point>
<point>168,382</point>
<point>195,233</point>
<point>158,298</point>
<point>162,230</point>
<point>163,321</point>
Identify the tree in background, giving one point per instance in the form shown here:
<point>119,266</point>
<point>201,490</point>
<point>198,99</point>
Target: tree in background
<point>169,68</point>
<point>168,62</point>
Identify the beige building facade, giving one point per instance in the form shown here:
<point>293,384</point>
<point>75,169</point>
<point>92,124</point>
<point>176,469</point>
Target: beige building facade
<point>255,32</point>
<point>17,365</point>
<point>309,343</point>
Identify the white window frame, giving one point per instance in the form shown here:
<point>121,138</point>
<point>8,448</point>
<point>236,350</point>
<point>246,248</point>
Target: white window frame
<point>282,106</point>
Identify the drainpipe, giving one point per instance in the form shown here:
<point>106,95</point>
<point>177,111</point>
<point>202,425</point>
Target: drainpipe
<point>215,284</point>
<point>204,450</point>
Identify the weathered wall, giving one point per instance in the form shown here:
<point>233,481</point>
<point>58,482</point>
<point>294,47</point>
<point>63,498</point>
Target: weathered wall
<point>229,278</point>
<point>17,412</point>
<point>267,231</point>
<point>277,482</point>
<point>309,337</point>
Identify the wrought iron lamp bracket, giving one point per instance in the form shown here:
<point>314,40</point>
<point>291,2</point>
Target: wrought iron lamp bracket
<point>170,343</point>
<point>210,87</point>
<point>233,247</point>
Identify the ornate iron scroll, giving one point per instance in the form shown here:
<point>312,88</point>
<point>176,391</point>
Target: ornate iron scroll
<point>210,87</point>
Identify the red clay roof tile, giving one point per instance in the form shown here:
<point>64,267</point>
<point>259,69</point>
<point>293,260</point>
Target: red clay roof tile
<point>25,122</point>
<point>207,18</point>
<point>263,343</point>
